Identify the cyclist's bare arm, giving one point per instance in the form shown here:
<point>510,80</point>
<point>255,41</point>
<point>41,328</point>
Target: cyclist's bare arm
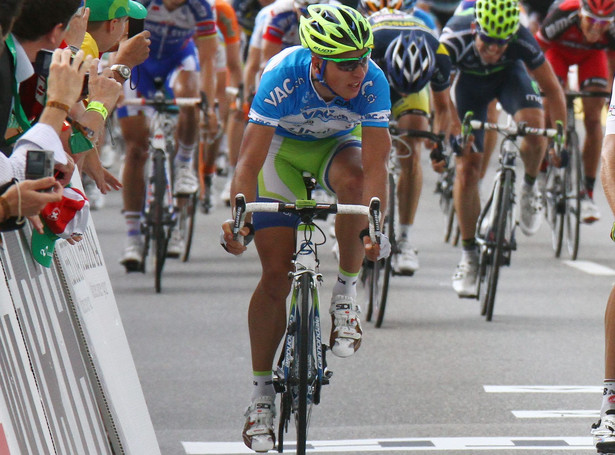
<point>376,146</point>
<point>607,171</point>
<point>254,148</point>
<point>554,94</point>
<point>442,120</point>
<point>207,47</point>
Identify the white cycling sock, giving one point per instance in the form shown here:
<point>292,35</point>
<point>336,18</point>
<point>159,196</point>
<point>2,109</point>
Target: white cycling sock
<point>404,231</point>
<point>133,223</point>
<point>608,397</point>
<point>346,284</point>
<point>263,384</point>
<point>184,152</point>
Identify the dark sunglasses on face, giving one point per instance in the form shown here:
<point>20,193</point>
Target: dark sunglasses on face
<point>488,40</point>
<point>351,63</point>
<point>600,21</point>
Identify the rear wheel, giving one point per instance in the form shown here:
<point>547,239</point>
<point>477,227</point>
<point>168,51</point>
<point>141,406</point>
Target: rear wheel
<point>573,185</point>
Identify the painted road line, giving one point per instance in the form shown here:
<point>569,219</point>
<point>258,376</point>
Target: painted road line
<point>591,413</point>
<point>590,267</point>
<point>542,389</point>
<point>564,443</point>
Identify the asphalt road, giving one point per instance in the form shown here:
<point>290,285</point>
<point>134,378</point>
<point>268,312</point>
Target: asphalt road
<point>436,378</point>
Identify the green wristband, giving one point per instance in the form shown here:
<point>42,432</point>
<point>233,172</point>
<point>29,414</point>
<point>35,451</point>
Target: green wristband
<point>99,107</point>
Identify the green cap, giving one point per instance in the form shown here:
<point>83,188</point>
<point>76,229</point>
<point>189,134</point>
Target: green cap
<point>104,10</point>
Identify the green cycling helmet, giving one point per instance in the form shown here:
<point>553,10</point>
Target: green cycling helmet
<point>334,29</point>
<point>497,18</point>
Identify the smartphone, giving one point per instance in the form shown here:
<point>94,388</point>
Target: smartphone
<point>39,164</point>
<point>41,67</point>
<point>135,26</point>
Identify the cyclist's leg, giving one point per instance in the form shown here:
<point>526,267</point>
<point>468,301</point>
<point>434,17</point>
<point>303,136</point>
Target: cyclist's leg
<point>472,94</point>
<point>412,113</point>
<point>592,77</point>
<point>135,131</point>
<point>184,81</point>
<point>520,96</point>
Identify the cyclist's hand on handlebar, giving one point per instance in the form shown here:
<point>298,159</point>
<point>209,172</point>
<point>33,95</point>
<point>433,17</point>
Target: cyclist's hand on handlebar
<point>437,156</point>
<point>460,148</point>
<point>235,247</point>
<point>374,251</point>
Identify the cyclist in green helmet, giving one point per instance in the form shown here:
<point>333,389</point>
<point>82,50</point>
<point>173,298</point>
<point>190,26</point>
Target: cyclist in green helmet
<point>324,109</point>
<point>497,58</point>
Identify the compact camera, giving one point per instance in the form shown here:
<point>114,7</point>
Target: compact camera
<point>39,164</point>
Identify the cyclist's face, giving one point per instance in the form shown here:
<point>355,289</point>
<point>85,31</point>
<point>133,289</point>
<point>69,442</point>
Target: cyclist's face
<point>341,77</point>
<point>173,4</point>
<point>490,53</point>
<point>594,27</point>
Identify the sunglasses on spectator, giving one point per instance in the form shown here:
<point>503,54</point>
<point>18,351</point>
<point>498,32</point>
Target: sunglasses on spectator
<point>597,20</point>
<point>351,63</point>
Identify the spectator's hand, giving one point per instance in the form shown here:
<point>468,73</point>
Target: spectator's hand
<point>66,76</point>
<point>104,88</point>
<point>64,172</point>
<point>76,28</point>
<point>90,163</point>
<point>32,200</point>
<point>135,50</point>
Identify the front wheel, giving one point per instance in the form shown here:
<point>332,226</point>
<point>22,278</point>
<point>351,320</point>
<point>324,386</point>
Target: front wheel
<point>497,243</point>
<point>157,211</point>
<point>186,216</point>
<point>306,377</point>
<point>573,185</point>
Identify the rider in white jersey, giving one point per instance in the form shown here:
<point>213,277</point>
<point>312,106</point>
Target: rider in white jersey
<point>322,110</point>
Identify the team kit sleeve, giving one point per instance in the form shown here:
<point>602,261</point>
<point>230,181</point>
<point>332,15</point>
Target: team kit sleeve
<point>205,17</point>
<point>375,98</point>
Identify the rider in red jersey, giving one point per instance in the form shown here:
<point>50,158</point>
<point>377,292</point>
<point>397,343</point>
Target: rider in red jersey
<point>579,32</point>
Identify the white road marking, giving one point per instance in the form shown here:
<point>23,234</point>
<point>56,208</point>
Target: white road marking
<point>593,413</point>
<point>541,389</point>
<point>591,267</point>
<point>543,444</point>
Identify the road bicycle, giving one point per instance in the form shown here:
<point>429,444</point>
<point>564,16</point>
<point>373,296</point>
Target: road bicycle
<point>375,277</point>
<point>162,210</point>
<point>564,185</point>
<point>302,367</point>
<point>495,228</point>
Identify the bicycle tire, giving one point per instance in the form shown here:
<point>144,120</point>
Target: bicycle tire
<point>555,207</point>
<point>305,351</point>
<point>503,213</point>
<point>186,220</point>
<point>574,184</point>
<point>386,264</point>
<point>447,205</point>
<point>157,209</point>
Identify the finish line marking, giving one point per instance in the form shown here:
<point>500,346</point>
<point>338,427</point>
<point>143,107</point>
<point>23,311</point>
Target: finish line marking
<point>542,389</point>
<point>407,445</point>
<point>556,414</point>
<point>591,267</point>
